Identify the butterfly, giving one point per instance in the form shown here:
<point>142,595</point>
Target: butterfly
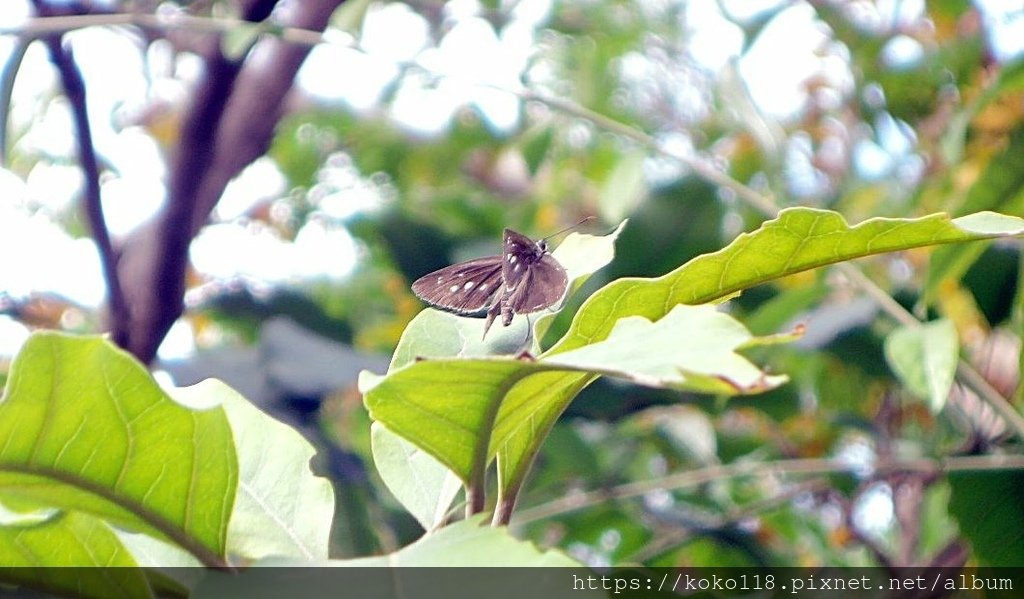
<point>525,278</point>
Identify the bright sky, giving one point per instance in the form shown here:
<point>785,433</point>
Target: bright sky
<point>472,61</point>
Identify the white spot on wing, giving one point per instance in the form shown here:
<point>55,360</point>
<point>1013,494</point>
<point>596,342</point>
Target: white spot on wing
<point>468,285</point>
<point>483,286</point>
<point>453,288</point>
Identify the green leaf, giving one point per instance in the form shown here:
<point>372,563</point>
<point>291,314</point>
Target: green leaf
<point>29,549</point>
<point>469,543</point>
<point>624,188</point>
<point>798,239</point>
<point>988,507</point>
<point>692,348</point>
<point>281,508</point>
<point>449,406</point>
<point>924,357</point>
<point>416,570</point>
<point>420,483</point>
<point>84,427</point>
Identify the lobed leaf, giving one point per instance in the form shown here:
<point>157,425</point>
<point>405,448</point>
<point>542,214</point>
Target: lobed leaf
<point>83,427</point>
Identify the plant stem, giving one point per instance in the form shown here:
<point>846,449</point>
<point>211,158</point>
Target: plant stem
<point>692,478</point>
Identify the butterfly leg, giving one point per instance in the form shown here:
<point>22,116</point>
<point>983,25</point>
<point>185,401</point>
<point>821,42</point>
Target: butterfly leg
<point>492,313</point>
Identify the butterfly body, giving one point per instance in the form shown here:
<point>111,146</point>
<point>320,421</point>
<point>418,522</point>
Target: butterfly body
<point>525,278</point>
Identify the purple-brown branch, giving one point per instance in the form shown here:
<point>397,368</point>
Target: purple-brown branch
<point>229,124</point>
<point>74,90</point>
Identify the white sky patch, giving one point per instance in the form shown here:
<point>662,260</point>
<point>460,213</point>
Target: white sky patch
<point>338,74</point>
<point>179,343</point>
<point>714,40</point>
<point>323,249</point>
<point>394,32</point>
<point>13,335</point>
<point>260,181</point>
<point>130,201</point>
<point>423,109</point>
<point>791,39</point>
<point>902,52</point>
<point>48,260</point>
<point>747,9</point>
<point>256,252</point>
<point>1004,23</point>
<point>873,510</point>
<point>54,187</point>
<point>132,152</point>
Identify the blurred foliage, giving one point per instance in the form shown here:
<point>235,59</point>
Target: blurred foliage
<point>947,126</point>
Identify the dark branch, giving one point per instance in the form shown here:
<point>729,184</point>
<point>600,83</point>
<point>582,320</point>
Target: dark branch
<point>74,90</point>
<point>230,123</point>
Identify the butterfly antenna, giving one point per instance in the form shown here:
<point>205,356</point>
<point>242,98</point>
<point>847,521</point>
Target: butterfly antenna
<point>569,228</point>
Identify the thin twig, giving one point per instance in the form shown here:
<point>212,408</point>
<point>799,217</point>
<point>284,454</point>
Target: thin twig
<point>705,170</point>
<point>691,478</point>
<point>74,90</point>
<point>43,26</point>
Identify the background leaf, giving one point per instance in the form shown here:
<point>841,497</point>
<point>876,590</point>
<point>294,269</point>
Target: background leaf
<point>280,507</point>
<point>421,484</point>
<point>925,358</point>
<point>988,507</point>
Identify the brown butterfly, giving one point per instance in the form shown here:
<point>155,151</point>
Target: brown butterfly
<point>525,278</point>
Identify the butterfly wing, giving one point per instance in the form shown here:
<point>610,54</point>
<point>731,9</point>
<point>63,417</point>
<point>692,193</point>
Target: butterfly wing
<point>463,288</point>
<point>542,286</point>
<point>518,253</point>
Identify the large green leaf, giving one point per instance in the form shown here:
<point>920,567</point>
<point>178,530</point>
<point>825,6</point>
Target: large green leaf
<point>281,509</point>
<point>798,239</point>
<point>28,544</point>
<point>415,571</point>
<point>925,358</point>
<point>988,507</point>
<point>84,427</point>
